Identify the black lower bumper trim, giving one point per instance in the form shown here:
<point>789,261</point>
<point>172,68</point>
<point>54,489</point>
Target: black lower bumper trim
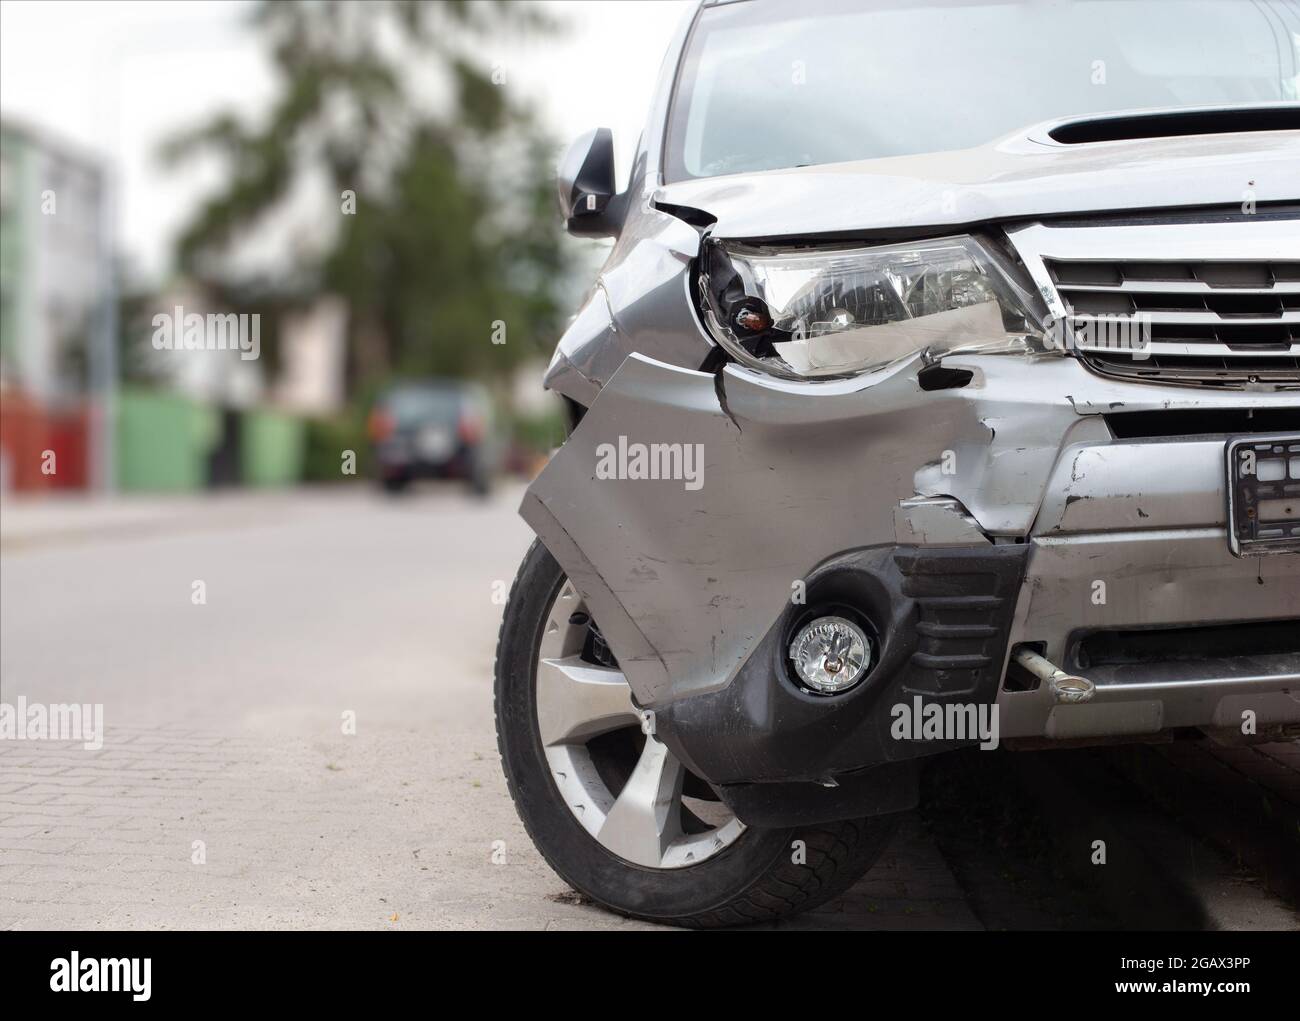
<point>881,790</point>
<point>943,616</point>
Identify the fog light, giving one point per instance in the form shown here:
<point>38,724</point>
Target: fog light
<point>830,654</point>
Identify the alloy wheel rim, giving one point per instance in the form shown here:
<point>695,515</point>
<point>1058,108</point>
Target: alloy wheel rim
<point>583,710</point>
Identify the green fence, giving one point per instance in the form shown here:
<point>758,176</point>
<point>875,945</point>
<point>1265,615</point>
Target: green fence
<point>271,447</point>
<point>163,441</point>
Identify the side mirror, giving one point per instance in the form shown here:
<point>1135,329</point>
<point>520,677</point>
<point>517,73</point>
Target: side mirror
<point>588,202</point>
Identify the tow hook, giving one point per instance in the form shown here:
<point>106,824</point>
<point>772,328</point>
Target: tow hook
<point>1067,689</point>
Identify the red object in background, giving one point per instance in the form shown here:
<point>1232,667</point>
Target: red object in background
<point>470,427</point>
<point>27,431</point>
<point>380,425</point>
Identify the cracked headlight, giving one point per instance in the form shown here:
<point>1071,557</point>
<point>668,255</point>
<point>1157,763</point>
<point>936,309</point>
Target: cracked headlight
<point>819,313</point>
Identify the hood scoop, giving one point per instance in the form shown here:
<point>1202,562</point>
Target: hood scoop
<point>1176,123</point>
<point>1041,171</point>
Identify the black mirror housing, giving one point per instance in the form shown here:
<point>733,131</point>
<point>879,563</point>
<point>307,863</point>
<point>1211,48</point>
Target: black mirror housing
<point>589,202</point>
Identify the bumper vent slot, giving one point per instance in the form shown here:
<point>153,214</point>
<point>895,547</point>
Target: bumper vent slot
<point>964,599</point>
<point>1189,644</point>
<point>1129,425</point>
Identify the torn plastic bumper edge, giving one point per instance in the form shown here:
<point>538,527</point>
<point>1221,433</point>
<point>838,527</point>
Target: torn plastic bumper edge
<point>692,586</point>
<point>702,569</point>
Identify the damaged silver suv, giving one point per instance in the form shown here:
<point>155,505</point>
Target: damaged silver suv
<point>942,388</point>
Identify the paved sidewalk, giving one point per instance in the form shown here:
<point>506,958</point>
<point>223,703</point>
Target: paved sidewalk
<point>910,888</point>
<point>1245,798</point>
<point>292,837</point>
<point>1275,767</point>
<point>60,519</point>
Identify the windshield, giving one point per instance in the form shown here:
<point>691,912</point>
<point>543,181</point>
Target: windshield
<point>767,84</point>
<point>417,405</point>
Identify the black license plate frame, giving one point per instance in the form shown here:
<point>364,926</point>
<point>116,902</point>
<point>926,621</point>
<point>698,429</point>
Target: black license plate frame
<point>1262,513</point>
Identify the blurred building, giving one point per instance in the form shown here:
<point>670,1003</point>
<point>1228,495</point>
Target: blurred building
<point>312,358</point>
<point>54,275</point>
<point>219,377</point>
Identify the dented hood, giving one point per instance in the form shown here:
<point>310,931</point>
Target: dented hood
<point>1026,175</point>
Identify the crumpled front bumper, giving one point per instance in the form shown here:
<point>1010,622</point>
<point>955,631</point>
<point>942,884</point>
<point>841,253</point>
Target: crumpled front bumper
<point>1011,493</point>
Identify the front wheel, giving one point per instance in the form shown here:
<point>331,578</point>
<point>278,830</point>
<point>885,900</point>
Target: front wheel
<point>612,810</point>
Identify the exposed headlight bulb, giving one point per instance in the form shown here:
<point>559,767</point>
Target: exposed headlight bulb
<point>830,654</point>
<point>751,316</point>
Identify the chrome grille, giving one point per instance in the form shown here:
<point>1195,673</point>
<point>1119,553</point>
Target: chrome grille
<point>1220,302</point>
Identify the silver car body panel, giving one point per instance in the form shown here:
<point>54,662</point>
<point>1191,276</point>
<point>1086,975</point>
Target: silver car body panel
<point>640,303</point>
<point>1168,576</point>
<point>685,581</point>
<point>1018,177</point>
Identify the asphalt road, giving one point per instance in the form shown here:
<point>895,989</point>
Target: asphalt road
<point>229,792</point>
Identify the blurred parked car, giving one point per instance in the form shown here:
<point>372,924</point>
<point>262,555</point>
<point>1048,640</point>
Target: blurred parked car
<point>433,429</point>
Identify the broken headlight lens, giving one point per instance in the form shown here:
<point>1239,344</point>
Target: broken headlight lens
<point>818,313</point>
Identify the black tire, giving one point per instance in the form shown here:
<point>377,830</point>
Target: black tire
<point>753,880</point>
<point>395,484</point>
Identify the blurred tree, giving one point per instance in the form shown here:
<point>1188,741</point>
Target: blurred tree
<point>435,224</point>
